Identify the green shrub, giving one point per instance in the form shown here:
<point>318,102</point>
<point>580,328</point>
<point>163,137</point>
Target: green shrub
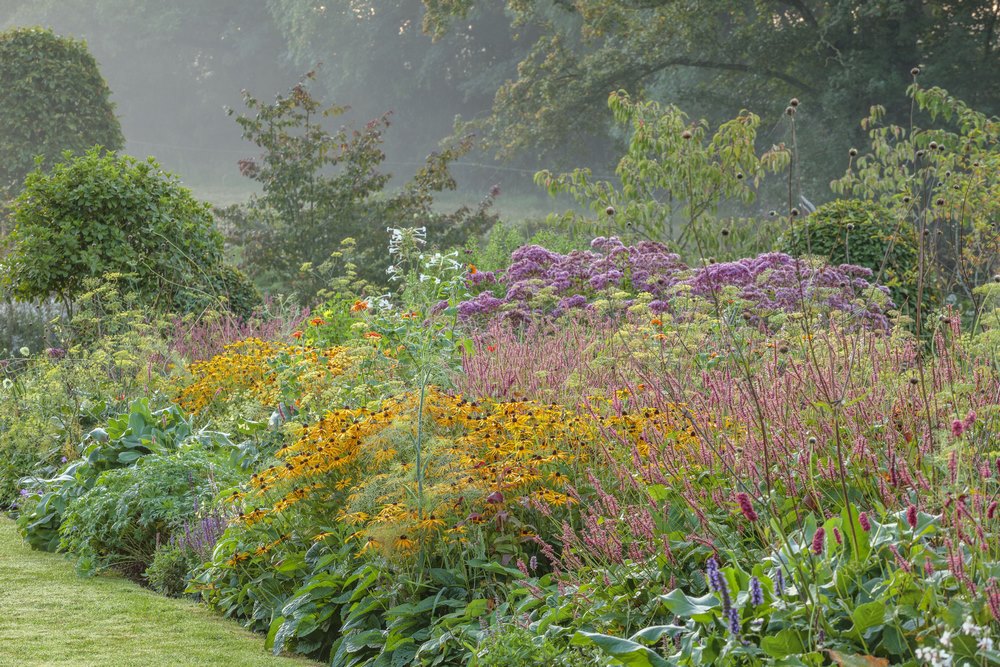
<point>127,438</point>
<point>104,213</point>
<point>168,573</point>
<point>513,646</point>
<point>120,521</point>
<point>224,286</point>
<point>866,234</point>
<point>52,99</point>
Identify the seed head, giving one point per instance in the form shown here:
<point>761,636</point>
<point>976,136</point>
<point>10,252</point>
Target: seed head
<point>914,381</point>
<point>915,71</point>
<point>996,278</point>
<point>724,232</point>
<point>794,212</point>
<point>853,152</point>
<point>812,440</point>
<point>939,201</point>
<point>609,211</point>
<point>686,134</point>
<point>739,176</point>
<point>920,153</point>
<point>933,145</point>
<point>906,199</point>
<point>783,349</point>
<point>790,111</point>
<point>794,102</point>
<point>772,213</point>
<point>850,226</point>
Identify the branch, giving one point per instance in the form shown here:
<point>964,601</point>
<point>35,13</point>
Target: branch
<point>642,73</point>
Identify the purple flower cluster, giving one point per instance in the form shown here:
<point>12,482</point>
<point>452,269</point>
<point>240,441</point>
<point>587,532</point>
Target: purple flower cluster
<point>201,535</point>
<point>771,282</point>
<point>717,583</point>
<point>779,282</point>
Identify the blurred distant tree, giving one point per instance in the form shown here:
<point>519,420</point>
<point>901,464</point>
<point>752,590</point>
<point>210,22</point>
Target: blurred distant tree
<point>174,66</point>
<point>375,54</point>
<point>715,56</point>
<point>52,99</point>
<point>320,188</point>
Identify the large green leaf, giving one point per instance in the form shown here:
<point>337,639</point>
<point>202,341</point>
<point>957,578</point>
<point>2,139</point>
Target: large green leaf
<point>625,652</point>
<point>700,609</point>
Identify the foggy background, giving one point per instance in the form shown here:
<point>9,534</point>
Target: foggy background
<point>175,67</point>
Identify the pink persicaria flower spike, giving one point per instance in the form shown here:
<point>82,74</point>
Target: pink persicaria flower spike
<point>818,540</point>
<point>746,507</point>
<point>866,525</point>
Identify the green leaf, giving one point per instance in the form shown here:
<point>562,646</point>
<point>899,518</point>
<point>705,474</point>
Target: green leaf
<point>868,615</point>
<point>700,609</point>
<point>783,644</point>
<point>128,456</point>
<point>624,651</point>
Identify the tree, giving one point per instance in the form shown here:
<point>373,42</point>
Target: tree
<point>52,99</point>
<point>425,83</point>
<point>320,188</point>
<point>838,57</point>
<point>103,213</point>
<point>173,67</point>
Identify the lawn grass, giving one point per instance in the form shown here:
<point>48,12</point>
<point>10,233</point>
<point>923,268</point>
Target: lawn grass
<point>50,616</point>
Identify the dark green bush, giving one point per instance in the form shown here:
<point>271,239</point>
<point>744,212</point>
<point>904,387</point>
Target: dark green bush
<point>224,286</point>
<point>866,234</point>
<point>168,573</point>
<point>52,99</point>
<point>104,213</point>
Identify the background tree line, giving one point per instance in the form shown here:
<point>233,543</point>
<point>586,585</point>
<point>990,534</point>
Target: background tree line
<point>532,77</point>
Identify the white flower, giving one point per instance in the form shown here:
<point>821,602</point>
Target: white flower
<point>25,352</point>
<point>985,643</point>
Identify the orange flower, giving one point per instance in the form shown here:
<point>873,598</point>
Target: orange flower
<point>472,269</point>
<point>656,321</point>
<point>374,335</point>
<point>297,334</point>
<point>491,348</point>
<point>359,305</point>
<point>316,321</point>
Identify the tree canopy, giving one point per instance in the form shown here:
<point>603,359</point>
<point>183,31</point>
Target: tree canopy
<point>838,57</point>
<point>52,99</point>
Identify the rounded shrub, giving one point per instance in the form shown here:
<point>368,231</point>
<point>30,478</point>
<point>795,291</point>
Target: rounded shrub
<point>52,99</point>
<point>168,573</point>
<point>103,213</point>
<point>866,234</point>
